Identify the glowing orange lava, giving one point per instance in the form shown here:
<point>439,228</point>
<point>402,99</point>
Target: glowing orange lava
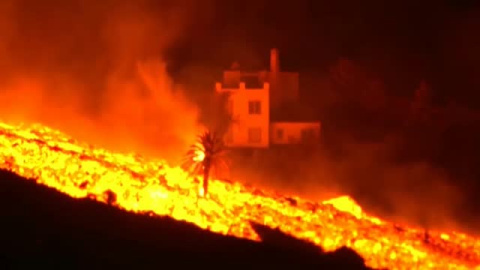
<point>141,185</point>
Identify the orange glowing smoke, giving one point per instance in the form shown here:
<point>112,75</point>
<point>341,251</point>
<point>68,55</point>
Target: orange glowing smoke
<point>137,112</point>
<point>141,185</point>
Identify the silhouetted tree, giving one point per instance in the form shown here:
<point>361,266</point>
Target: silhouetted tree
<point>207,154</point>
<point>217,113</point>
<point>360,105</point>
<point>347,80</point>
<point>422,101</point>
<point>374,97</point>
<point>356,86</point>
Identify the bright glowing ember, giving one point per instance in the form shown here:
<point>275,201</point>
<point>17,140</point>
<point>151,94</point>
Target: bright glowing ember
<point>140,185</point>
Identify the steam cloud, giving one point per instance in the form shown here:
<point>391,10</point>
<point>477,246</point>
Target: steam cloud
<point>94,69</point>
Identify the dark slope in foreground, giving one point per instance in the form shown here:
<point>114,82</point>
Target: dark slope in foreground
<point>43,227</point>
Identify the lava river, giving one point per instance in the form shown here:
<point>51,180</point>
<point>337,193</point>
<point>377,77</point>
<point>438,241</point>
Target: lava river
<point>140,185</point>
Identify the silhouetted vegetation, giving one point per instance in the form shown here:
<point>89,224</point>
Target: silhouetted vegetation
<point>205,156</point>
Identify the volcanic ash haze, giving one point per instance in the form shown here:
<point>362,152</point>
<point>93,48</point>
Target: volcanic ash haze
<point>94,69</point>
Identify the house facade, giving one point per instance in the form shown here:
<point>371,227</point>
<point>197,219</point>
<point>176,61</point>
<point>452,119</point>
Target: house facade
<point>256,101</point>
<point>250,109</point>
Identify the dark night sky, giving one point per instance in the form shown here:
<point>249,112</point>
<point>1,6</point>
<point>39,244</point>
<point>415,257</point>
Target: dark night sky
<point>401,41</point>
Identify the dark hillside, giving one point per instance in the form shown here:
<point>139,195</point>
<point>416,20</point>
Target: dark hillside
<point>42,227</point>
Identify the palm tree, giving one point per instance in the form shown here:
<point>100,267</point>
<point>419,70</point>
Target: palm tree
<point>206,154</point>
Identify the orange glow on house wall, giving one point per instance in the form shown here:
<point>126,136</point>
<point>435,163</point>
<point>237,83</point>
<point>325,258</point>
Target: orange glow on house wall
<point>251,115</point>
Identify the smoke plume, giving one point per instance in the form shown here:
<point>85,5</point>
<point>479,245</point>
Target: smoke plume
<point>96,70</point>
<point>414,193</point>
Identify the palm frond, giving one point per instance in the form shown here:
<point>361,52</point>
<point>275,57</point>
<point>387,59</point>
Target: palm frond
<point>205,156</point>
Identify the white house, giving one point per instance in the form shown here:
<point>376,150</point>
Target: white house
<point>257,98</point>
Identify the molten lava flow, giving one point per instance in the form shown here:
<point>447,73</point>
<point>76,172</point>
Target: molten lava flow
<point>151,186</point>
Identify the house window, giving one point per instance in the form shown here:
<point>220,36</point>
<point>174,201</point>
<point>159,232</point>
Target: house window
<point>280,134</point>
<point>254,135</point>
<point>254,107</point>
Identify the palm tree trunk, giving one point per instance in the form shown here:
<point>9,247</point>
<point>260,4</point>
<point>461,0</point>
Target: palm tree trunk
<point>206,175</point>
